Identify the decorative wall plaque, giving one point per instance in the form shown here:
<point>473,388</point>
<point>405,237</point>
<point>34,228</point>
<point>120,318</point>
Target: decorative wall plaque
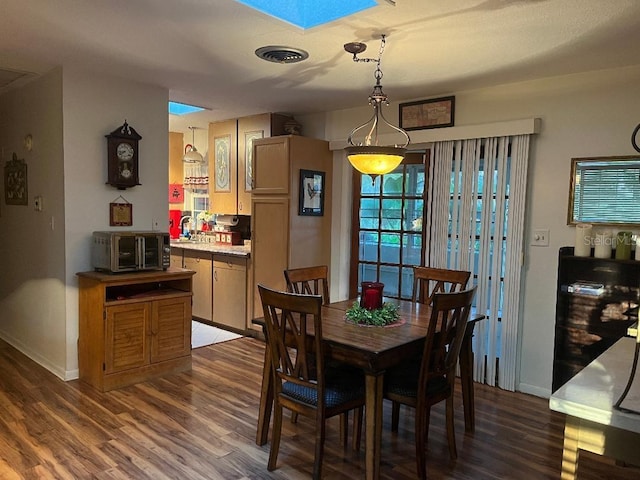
<point>15,182</point>
<point>120,213</point>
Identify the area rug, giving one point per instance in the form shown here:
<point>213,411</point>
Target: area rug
<point>203,335</point>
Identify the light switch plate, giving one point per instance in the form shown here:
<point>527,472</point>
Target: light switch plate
<point>540,237</point>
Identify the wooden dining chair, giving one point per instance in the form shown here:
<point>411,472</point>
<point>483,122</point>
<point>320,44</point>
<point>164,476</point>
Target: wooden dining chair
<point>421,385</point>
<point>302,384</point>
<point>309,280</point>
<point>430,280</point>
<point>315,281</point>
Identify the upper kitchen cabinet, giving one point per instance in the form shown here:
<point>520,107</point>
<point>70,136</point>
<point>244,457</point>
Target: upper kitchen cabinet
<point>176,148</point>
<point>231,164</point>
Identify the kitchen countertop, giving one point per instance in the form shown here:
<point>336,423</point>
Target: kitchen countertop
<point>236,250</point>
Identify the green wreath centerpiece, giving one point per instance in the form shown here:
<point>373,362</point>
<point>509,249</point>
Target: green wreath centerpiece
<point>379,317</point>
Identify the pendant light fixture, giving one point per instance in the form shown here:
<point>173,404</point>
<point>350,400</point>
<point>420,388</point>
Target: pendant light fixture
<point>367,156</point>
<point>191,153</point>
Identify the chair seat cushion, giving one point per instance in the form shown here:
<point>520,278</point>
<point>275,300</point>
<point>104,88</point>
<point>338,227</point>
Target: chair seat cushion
<point>341,386</point>
<point>403,380</point>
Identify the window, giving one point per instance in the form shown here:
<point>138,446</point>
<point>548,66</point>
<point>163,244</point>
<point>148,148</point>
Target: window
<point>388,214</point>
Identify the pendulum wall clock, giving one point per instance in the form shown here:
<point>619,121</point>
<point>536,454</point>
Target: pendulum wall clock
<point>122,157</point>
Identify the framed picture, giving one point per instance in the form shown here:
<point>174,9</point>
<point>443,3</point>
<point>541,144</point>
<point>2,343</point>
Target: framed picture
<point>120,214</point>
<point>431,113</point>
<point>176,193</point>
<point>311,193</point>
<point>15,182</point>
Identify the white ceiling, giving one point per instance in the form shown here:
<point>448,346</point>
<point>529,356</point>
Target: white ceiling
<point>203,50</point>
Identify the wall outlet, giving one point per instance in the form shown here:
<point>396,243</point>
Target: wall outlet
<point>540,238</point>
<point>37,203</point>
<point>155,224</point>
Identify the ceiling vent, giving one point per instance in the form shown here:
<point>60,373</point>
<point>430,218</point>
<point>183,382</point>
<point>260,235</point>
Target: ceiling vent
<point>282,54</point>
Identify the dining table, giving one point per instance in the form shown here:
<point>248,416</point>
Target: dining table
<point>374,349</point>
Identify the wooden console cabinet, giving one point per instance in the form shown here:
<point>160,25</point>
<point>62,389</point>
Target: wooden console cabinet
<point>588,323</point>
<point>133,326</point>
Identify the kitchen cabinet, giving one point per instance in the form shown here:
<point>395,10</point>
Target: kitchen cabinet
<point>176,152</point>
<point>231,159</point>
<point>230,291</point>
<point>202,264</point>
<point>175,260</point>
<point>280,237</point>
<point>133,326</point>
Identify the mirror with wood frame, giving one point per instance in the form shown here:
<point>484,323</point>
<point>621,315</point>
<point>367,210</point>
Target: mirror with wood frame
<point>605,191</point>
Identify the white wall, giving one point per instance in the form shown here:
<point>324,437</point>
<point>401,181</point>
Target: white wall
<point>69,112</point>
<point>32,281</point>
<point>582,115</point>
<point>94,106</point>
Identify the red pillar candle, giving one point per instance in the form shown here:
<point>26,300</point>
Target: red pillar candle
<point>371,296</point>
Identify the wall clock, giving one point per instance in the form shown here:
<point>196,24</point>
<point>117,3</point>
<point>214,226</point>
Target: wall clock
<point>122,157</point>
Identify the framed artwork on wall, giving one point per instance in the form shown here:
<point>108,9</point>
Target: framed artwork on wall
<point>15,182</point>
<point>120,213</point>
<point>431,113</point>
<point>311,193</point>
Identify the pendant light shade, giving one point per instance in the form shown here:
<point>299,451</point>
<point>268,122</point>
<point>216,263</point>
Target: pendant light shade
<point>367,156</point>
<point>373,160</point>
<point>191,154</point>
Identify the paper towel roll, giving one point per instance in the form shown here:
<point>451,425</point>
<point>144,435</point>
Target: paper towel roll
<point>583,240</point>
<point>602,243</point>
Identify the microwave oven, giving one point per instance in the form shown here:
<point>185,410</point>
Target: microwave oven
<point>116,252</point>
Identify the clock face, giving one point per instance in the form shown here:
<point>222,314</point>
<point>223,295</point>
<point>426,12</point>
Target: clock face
<point>124,151</point>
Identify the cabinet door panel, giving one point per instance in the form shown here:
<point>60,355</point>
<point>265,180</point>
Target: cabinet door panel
<point>249,129</point>
<point>170,328</point>
<point>271,166</point>
<point>126,337</point>
<point>269,245</point>
<point>223,170</point>
<point>202,282</point>
<point>230,291</point>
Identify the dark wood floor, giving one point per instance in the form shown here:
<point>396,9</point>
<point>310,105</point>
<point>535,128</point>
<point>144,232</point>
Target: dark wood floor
<point>201,425</point>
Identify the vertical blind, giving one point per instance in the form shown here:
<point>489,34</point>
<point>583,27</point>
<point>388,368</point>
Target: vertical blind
<point>476,222</point>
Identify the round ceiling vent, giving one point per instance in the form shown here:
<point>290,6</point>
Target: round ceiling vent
<point>281,54</point>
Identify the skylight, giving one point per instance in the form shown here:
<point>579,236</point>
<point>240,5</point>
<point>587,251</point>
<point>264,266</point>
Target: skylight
<point>309,13</point>
<point>176,108</point>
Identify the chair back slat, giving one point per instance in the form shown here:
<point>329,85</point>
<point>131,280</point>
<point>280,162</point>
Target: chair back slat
<point>429,280</point>
<point>294,333</point>
<point>309,281</point>
<point>450,313</point>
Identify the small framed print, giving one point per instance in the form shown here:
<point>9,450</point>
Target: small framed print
<point>176,193</point>
<point>120,214</point>
<point>15,182</point>
<point>431,113</point>
<point>311,193</point>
